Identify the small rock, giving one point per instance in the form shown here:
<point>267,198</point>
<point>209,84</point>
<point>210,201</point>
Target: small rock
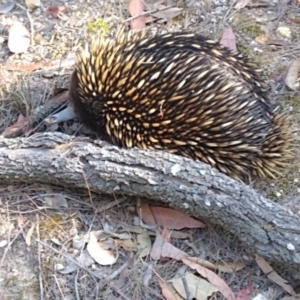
<point>18,38</point>
<point>284,31</point>
<point>3,243</point>
<point>33,4</point>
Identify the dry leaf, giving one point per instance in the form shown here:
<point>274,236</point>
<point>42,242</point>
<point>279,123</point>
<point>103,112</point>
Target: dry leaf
<point>228,39</point>
<point>230,267</point>
<point>241,4</point>
<point>58,98</point>
<point>69,268</point>
<point>136,8</point>
<point>98,252</point>
<point>128,245</point>
<point>33,4</point>
<point>143,244</point>
<point>245,293</point>
<point>17,128</point>
<point>55,11</point>
<point>161,248</point>
<point>147,275</point>
<point>18,38</point>
<point>294,17</point>
<point>261,39</point>
<point>57,200</point>
<point>168,13</point>
<point>260,297</point>
<point>224,267</point>
<point>181,235</point>
<point>167,217</point>
<point>292,75</point>
<point>272,275</point>
<point>29,234</point>
<point>84,259</point>
<point>167,291</point>
<point>198,288</point>
<point>212,277</point>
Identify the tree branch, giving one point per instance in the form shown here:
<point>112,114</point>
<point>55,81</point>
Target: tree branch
<point>193,187</point>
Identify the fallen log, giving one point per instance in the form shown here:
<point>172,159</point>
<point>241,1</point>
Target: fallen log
<point>194,188</point>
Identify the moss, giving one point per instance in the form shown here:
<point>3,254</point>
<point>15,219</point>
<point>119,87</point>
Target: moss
<point>99,26</point>
<point>292,99</point>
<point>49,225</point>
<point>253,30</point>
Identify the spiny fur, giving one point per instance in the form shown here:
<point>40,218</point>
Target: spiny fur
<point>182,93</point>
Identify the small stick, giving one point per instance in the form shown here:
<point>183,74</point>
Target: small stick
<point>39,258</point>
<point>148,13</point>
<point>31,28</point>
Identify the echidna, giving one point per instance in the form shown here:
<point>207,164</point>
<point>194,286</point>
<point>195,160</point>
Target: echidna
<point>181,93</point>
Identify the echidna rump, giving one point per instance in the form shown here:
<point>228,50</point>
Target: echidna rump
<point>182,93</point>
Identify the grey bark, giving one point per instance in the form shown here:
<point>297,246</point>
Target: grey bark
<point>195,188</point>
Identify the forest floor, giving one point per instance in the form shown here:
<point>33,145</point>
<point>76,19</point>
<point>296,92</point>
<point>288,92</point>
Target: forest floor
<point>43,228</point>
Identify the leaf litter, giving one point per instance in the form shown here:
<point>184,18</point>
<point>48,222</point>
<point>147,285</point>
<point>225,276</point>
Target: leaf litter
<point>165,239</point>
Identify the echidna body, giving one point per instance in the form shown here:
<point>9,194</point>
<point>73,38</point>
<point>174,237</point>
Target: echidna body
<point>184,94</point>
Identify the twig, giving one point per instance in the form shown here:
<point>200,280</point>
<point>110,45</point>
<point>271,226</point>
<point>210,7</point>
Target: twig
<point>108,279</point>
<point>76,285</point>
<point>148,13</point>
<point>60,290</point>
<point>120,293</point>
<point>39,257</point>
<point>10,244</point>
<point>31,28</point>
<point>70,259</point>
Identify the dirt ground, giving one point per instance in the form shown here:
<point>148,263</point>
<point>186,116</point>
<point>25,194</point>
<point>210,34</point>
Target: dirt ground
<point>41,226</point>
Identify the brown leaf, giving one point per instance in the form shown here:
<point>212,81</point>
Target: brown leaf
<point>212,277</point>
<point>167,217</point>
<point>224,267</point>
<point>292,75</point>
<point>26,68</point>
<point>136,8</point>
<point>245,293</point>
<point>228,39</point>
<point>161,248</point>
<point>17,128</point>
<point>261,39</point>
<point>59,98</point>
<point>241,4</point>
<point>272,275</point>
<point>167,291</point>
<point>55,11</point>
<point>197,287</point>
<point>145,214</point>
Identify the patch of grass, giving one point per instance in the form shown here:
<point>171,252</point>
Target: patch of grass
<point>99,26</point>
<point>20,96</point>
<point>292,99</point>
<point>253,30</point>
<point>49,225</point>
